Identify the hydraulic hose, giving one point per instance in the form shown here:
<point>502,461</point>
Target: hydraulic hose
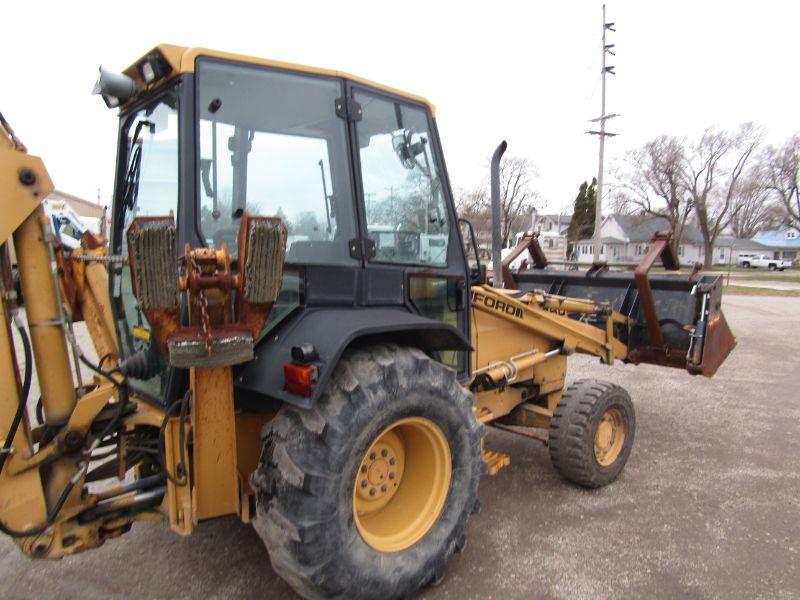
<point>26,345</point>
<point>181,479</point>
<point>84,466</point>
<point>51,516</point>
<point>12,432</point>
<point>122,390</point>
<point>23,396</point>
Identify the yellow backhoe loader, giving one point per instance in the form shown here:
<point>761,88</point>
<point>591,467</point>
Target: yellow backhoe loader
<point>290,330</point>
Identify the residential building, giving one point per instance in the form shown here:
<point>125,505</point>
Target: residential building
<point>783,243</point>
<point>626,239</point>
<point>552,223</point>
<point>552,231</point>
<point>553,244</point>
<point>730,250</point>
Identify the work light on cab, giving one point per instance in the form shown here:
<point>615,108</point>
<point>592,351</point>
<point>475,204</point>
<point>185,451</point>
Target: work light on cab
<point>152,68</point>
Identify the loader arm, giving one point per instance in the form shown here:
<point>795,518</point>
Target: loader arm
<point>522,342</point>
<point>523,336</point>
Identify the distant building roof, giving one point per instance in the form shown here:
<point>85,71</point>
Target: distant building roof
<point>788,237</point>
<point>606,240</point>
<point>738,243</point>
<point>559,220</point>
<point>640,228</point>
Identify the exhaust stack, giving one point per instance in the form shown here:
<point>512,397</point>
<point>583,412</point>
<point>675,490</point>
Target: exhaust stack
<point>497,255</point>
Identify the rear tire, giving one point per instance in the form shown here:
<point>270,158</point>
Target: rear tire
<point>773,267</point>
<point>313,459</point>
<point>591,432</point>
<point>746,265</point>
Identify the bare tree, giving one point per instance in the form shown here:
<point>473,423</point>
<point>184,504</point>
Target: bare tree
<point>619,198</point>
<point>517,197</point>
<point>783,174</point>
<point>516,193</point>
<point>753,209</point>
<point>714,172</point>
<point>652,181</point>
<point>473,205</point>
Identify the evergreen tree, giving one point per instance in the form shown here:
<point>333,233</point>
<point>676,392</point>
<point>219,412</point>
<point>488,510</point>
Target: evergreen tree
<point>582,224</point>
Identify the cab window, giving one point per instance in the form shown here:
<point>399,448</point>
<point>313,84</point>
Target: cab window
<point>271,144</point>
<point>405,208</point>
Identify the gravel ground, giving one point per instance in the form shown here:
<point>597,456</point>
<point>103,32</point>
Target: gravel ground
<point>707,507</point>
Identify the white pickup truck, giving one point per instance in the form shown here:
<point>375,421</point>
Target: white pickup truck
<point>764,260</point>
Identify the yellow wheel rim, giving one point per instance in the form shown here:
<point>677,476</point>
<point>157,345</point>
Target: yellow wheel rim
<point>609,437</point>
<point>402,483</point>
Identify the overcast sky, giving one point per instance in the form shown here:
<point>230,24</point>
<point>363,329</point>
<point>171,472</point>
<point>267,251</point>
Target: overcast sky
<point>527,72</point>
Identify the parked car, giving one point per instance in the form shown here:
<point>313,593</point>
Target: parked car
<point>764,260</point>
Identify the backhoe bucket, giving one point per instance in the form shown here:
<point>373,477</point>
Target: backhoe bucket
<point>677,320</point>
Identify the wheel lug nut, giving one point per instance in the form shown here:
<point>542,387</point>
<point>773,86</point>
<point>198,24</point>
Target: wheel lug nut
<point>384,453</point>
<point>363,483</point>
<point>392,460</point>
<point>372,491</point>
<point>364,469</point>
<point>383,488</point>
<point>391,475</point>
<point>372,456</point>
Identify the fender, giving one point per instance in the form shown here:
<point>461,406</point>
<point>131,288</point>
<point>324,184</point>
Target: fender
<point>332,330</point>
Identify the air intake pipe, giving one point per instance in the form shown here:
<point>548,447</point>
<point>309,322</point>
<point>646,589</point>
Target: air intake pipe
<point>497,255</point>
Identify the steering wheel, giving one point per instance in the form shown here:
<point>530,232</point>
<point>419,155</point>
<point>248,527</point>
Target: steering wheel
<point>226,235</point>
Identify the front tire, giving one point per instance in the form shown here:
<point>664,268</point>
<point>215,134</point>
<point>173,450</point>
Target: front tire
<point>591,432</point>
<point>390,415</point>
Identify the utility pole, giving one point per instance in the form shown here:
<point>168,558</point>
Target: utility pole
<point>598,207</point>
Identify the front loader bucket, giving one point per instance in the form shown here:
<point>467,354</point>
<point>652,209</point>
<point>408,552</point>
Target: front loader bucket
<point>685,328</point>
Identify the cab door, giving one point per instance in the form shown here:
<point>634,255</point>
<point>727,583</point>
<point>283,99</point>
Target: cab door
<point>409,226</point>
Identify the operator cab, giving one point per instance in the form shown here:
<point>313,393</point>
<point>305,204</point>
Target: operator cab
<point>353,169</point>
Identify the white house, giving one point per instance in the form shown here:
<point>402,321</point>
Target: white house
<point>551,223</point>
<point>552,243</point>
<point>730,250</point>
<point>552,231</point>
<point>626,239</point>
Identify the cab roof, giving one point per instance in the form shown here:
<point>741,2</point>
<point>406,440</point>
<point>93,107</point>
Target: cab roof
<point>182,59</point>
